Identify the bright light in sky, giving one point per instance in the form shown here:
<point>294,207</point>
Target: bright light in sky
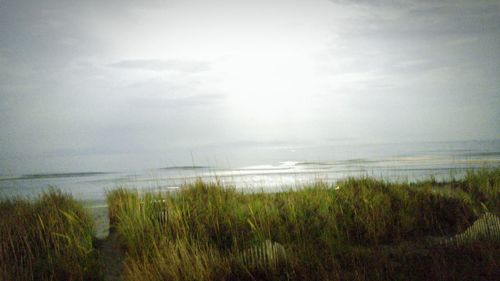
<point>126,81</point>
<point>267,86</point>
<point>264,62</point>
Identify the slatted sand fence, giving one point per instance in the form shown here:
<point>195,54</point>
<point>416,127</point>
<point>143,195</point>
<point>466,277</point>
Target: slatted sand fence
<point>267,255</point>
<point>156,209</point>
<point>485,228</point>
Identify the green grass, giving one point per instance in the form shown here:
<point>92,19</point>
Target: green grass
<point>358,229</point>
<point>50,238</point>
<point>362,229</point>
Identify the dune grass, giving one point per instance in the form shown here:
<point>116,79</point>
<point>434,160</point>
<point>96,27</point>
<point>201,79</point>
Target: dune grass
<point>50,238</point>
<point>359,229</point>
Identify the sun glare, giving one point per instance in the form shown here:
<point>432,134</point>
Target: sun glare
<point>265,88</point>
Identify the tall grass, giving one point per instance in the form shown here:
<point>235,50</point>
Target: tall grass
<point>50,238</point>
<point>484,188</point>
<point>208,231</point>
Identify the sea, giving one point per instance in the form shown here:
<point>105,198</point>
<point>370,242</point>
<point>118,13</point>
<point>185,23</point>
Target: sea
<point>281,169</point>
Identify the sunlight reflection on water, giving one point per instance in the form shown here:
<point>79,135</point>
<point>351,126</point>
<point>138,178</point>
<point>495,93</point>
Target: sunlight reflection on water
<point>409,165</point>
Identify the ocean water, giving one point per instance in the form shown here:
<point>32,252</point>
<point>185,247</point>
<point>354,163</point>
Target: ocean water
<point>279,169</point>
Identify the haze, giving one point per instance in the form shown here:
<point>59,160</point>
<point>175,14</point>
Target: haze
<point>122,85</point>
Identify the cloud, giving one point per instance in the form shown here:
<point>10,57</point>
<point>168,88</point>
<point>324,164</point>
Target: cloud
<point>186,66</point>
<point>379,3</point>
<point>93,75</point>
<point>176,103</point>
<point>402,40</point>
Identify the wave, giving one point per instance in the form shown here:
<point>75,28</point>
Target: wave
<point>172,168</point>
<point>53,175</point>
<point>481,154</point>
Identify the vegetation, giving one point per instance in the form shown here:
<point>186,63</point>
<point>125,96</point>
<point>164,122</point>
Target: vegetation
<point>50,238</point>
<point>359,229</point>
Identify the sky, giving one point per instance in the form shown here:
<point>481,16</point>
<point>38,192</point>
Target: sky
<point>116,85</point>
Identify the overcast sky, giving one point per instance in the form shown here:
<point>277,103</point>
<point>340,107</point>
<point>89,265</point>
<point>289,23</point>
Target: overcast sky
<point>105,85</point>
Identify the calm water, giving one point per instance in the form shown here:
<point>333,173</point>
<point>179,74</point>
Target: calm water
<point>280,169</point>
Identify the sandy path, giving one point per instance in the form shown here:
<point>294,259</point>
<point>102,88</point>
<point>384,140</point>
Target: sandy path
<point>111,257</point>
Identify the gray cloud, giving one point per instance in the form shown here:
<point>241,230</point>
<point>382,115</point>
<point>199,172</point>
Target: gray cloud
<point>163,65</point>
<point>423,36</point>
<point>178,103</point>
<point>374,3</point>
